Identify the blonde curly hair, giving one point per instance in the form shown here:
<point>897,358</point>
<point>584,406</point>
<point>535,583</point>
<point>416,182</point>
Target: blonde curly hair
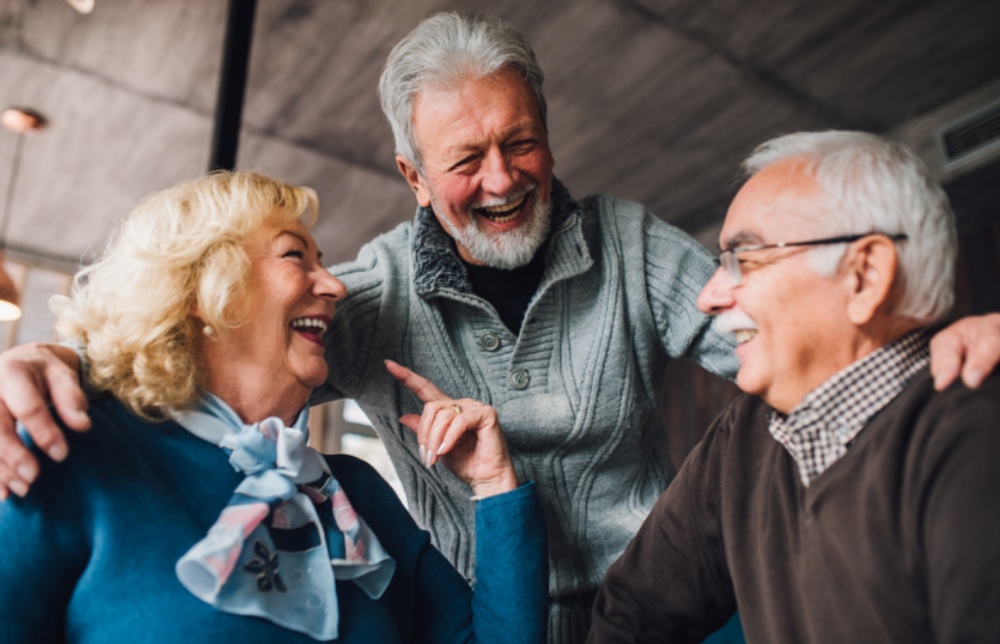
<point>179,251</point>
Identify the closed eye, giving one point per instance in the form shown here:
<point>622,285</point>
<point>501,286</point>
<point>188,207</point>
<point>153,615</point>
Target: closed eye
<point>523,145</point>
<point>465,162</point>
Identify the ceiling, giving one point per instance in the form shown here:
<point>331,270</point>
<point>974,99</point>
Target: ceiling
<point>650,100</point>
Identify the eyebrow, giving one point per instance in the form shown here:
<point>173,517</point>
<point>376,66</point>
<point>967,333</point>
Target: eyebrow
<point>292,233</point>
<point>742,238</point>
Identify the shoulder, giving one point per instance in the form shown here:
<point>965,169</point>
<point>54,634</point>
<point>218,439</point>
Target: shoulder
<point>625,212</point>
<point>63,489</point>
<point>377,256</point>
<point>391,241</point>
<point>112,427</point>
<point>663,243</point>
<point>956,414</point>
<point>610,213</point>
<point>398,237</point>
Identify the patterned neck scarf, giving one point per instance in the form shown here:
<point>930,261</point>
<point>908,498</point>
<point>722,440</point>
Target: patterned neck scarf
<point>288,532</point>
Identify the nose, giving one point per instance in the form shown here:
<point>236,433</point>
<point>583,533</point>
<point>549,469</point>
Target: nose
<point>498,173</point>
<point>327,287</point>
<point>717,295</point>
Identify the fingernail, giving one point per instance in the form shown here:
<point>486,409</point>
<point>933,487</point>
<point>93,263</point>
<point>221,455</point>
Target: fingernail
<point>3,494</point>
<point>441,449</point>
<point>26,472</point>
<point>82,415</point>
<point>939,382</point>
<point>422,451</point>
<point>57,452</point>
<point>974,377</point>
<point>18,488</point>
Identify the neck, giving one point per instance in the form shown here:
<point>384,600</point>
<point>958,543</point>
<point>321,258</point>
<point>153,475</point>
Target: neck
<point>254,395</point>
<point>864,341</point>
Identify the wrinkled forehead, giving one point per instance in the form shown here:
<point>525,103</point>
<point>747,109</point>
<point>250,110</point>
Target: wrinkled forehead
<point>782,202</point>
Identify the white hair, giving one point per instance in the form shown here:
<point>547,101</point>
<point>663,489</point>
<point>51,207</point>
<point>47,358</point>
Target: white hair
<point>875,185</point>
<point>445,49</point>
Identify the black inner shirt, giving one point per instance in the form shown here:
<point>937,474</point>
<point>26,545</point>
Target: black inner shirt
<point>509,291</point>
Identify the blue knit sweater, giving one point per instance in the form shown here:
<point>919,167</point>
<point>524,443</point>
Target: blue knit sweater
<point>89,555</point>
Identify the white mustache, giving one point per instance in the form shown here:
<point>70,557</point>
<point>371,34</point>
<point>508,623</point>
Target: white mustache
<point>731,321</point>
<point>503,201</point>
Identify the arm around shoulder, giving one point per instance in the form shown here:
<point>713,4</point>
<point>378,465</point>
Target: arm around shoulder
<point>29,375</point>
<point>676,269</point>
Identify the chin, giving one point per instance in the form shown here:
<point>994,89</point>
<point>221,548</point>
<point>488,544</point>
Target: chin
<point>314,381</point>
<point>312,376</point>
<point>747,383</point>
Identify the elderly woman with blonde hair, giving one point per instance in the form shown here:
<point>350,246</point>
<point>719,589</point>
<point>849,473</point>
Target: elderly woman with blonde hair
<point>194,508</point>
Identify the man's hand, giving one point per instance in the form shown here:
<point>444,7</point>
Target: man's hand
<point>970,347</point>
<point>464,433</point>
<point>29,375</point>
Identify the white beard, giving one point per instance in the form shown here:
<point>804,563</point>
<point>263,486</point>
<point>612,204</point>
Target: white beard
<point>509,249</point>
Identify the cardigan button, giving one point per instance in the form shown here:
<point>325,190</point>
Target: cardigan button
<point>489,341</point>
<point>519,379</point>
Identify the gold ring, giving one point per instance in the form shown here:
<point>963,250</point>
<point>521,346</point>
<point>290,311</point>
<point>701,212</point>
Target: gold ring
<point>456,408</point>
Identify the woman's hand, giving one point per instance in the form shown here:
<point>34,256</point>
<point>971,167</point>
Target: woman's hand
<point>463,433</point>
<point>29,375</point>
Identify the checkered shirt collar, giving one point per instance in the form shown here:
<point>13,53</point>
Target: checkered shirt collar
<point>818,431</point>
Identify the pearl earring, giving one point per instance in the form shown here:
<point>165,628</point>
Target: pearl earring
<point>208,330</point>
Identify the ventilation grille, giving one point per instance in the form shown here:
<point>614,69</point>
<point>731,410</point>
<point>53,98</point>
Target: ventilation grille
<point>972,137</point>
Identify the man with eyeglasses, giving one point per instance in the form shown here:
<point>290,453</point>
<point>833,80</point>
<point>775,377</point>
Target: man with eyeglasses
<point>843,500</point>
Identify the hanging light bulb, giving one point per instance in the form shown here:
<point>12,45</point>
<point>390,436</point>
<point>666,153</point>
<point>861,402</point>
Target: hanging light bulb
<point>83,6</point>
<point>20,122</point>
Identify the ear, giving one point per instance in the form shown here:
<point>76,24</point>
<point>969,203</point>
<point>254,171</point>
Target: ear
<point>415,179</point>
<point>870,267</point>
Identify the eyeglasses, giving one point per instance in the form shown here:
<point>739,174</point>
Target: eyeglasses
<point>731,263</point>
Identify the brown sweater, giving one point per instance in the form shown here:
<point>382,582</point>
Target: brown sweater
<point>898,541</point>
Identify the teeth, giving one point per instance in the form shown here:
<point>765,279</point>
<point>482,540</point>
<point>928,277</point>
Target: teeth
<point>504,212</point>
<point>744,335</point>
<point>315,325</point>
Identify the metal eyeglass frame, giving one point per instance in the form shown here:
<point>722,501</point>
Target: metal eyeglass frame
<point>729,261</point>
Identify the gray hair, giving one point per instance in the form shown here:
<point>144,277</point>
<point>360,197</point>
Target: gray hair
<point>442,50</point>
<point>872,184</point>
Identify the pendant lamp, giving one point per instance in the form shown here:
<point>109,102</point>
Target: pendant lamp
<point>20,122</point>
<point>83,6</point>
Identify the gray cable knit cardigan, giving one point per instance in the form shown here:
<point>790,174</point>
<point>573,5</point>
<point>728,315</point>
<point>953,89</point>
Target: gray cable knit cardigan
<point>576,391</point>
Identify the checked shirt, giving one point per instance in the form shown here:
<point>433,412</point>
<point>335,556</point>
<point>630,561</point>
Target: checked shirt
<point>821,427</point>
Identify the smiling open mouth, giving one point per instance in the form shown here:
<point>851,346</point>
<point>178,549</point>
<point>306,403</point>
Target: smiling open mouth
<point>504,213</point>
<point>312,328</point>
<point>744,335</point>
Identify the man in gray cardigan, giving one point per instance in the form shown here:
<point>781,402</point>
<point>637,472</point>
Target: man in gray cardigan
<point>561,313</point>
<point>845,501</point>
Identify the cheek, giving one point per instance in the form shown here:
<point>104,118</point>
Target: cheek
<point>455,196</point>
<point>538,165</point>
